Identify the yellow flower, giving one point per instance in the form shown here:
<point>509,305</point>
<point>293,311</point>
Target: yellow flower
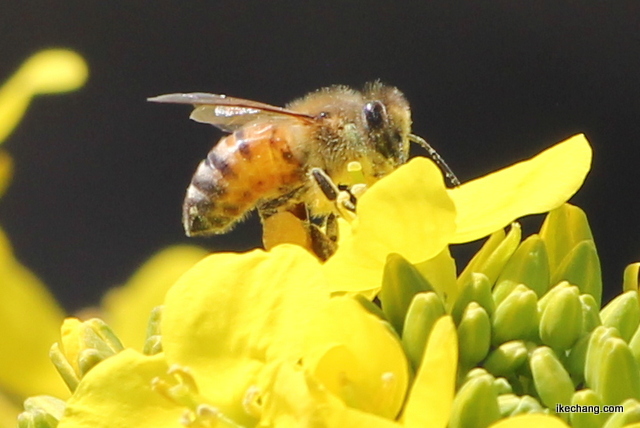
<point>29,324</point>
<point>267,339</point>
<point>46,72</point>
<point>29,316</point>
<point>236,324</point>
<point>126,309</point>
<point>411,213</point>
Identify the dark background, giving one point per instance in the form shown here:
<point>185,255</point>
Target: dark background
<point>100,174</point>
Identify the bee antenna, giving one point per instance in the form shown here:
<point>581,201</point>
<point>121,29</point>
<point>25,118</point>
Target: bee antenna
<point>451,177</point>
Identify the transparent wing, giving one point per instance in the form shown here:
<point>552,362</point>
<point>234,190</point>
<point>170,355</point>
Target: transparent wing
<point>227,113</point>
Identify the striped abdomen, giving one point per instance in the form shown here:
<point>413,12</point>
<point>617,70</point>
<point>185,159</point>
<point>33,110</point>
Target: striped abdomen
<point>253,164</point>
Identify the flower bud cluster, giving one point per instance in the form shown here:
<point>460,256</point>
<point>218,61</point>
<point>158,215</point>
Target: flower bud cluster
<point>530,330</point>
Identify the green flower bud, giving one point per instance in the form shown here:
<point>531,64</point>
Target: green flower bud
<point>425,309</point>
<point>507,358</point>
<point>623,313</point>
<point>512,405</point>
<point>480,257</point>
<point>476,404</point>
<point>474,335</point>
<point>36,419</point>
<point>590,417</point>
<point>474,372</point>
<point>581,267</point>
<point>368,305</point>
<point>562,229</point>
<point>477,289</point>
<point>529,265</point>
<point>590,313</point>
<point>561,319</point>
<point>41,411</point>
<point>83,345</point>
<point>67,372</point>
<point>549,295</point>
<point>630,276</point>
<point>400,282</point>
<point>551,380</point>
<point>153,342</point>
<point>491,261</point>
<point>575,361</point>
<point>631,415</point>
<point>502,386</point>
<point>618,377</point>
<point>593,358</point>
<point>516,317</point>
<point>502,290</point>
<point>507,404</point>
<point>634,345</point>
<point>527,405</point>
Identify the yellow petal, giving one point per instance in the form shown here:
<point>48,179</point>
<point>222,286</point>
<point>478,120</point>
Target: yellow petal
<point>9,411</point>
<point>296,399</point>
<point>408,213</point>
<point>126,309</point>
<point>440,271</point>
<point>530,421</point>
<point>430,399</point>
<point>534,186</point>
<point>29,323</point>
<point>54,70</point>
<point>117,393</point>
<point>48,71</point>
<point>231,313</point>
<point>358,359</point>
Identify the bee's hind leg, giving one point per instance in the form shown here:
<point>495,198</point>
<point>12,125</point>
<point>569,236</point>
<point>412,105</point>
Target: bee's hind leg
<point>292,225</point>
<point>331,228</point>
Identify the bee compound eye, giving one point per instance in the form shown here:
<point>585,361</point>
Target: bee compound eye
<point>375,114</point>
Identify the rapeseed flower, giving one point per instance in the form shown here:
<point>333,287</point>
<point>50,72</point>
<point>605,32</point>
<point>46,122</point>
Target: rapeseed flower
<point>277,338</point>
<point>29,315</point>
<point>27,334</point>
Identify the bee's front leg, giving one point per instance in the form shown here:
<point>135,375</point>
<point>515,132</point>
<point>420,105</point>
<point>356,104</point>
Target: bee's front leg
<point>344,197</point>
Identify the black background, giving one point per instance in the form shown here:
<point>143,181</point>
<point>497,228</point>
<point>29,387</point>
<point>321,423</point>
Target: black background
<point>100,174</point>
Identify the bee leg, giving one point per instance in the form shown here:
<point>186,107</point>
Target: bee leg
<point>342,197</point>
<point>292,225</point>
<point>331,228</point>
<point>322,245</point>
<point>282,225</point>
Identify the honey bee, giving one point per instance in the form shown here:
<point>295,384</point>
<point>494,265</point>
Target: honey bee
<point>295,159</point>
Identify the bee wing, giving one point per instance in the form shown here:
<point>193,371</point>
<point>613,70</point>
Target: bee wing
<point>227,113</point>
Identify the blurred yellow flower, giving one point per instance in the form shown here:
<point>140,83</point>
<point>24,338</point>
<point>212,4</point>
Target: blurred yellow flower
<point>30,318</point>
<point>46,72</point>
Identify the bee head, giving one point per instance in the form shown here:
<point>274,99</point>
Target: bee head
<point>387,118</point>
